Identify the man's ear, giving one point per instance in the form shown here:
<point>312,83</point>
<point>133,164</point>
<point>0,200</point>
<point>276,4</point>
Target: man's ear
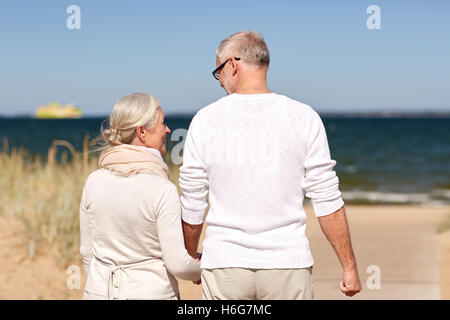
<point>234,66</point>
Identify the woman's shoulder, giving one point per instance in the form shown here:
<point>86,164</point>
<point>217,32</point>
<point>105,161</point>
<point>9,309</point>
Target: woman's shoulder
<point>96,174</point>
<point>165,186</point>
<point>160,183</point>
<point>154,179</point>
<point>157,188</point>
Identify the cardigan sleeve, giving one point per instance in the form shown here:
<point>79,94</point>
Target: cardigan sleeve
<point>170,233</point>
<point>85,233</point>
<point>193,178</point>
<point>321,183</point>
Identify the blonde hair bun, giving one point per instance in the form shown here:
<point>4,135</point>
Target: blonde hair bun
<point>130,112</point>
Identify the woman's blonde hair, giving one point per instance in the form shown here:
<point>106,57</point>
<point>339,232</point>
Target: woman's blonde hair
<point>130,112</point>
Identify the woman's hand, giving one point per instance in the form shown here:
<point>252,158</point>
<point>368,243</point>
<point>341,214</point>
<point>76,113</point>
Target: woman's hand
<point>199,256</point>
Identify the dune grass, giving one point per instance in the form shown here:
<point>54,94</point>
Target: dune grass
<point>45,194</point>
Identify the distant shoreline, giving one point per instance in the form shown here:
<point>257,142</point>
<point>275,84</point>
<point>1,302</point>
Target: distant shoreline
<point>384,114</point>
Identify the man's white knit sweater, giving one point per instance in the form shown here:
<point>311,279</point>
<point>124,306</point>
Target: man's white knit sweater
<point>257,155</point>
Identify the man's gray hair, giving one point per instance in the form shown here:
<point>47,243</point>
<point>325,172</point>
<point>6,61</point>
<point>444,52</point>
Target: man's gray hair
<point>247,45</point>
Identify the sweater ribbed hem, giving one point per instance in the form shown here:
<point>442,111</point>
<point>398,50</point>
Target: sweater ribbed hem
<point>327,207</point>
<point>220,254</point>
<point>193,217</point>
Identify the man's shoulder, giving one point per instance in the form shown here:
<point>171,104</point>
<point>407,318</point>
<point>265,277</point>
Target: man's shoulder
<point>213,107</point>
<point>222,102</point>
<point>210,111</point>
<point>296,105</point>
<point>215,110</point>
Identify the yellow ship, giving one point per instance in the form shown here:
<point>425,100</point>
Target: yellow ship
<point>55,110</point>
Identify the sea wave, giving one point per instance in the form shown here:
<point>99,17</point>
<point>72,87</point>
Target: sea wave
<point>435,197</point>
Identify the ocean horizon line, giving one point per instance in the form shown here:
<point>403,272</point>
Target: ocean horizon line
<point>326,114</point>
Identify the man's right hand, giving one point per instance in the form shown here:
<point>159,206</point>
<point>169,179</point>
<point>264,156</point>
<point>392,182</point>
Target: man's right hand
<point>350,285</point>
<point>335,228</point>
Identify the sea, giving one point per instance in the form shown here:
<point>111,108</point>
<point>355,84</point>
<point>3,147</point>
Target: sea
<point>380,160</point>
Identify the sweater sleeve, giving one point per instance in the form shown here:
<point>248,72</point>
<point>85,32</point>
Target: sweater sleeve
<point>85,233</point>
<point>321,183</point>
<point>175,256</point>
<point>193,179</point>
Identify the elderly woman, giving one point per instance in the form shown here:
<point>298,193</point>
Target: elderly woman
<point>131,237</point>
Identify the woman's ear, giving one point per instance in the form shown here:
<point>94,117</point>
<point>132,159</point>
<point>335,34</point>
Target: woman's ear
<point>140,133</point>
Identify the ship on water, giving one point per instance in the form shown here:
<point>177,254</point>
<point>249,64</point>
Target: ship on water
<point>55,110</point>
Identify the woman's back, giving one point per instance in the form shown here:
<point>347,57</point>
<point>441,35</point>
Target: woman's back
<point>131,240</point>
<point>123,209</point>
<point>131,225</point>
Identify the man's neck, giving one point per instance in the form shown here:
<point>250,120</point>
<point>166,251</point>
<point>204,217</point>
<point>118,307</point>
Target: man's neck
<point>251,80</point>
<point>252,89</point>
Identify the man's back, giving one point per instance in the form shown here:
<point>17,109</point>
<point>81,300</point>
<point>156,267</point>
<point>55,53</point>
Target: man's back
<point>257,154</point>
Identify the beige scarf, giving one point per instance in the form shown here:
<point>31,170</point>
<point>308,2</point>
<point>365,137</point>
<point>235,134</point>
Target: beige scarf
<point>126,160</point>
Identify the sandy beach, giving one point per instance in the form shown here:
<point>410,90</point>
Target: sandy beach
<point>401,242</point>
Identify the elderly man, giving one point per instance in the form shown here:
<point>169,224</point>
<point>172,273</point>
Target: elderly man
<point>257,154</point>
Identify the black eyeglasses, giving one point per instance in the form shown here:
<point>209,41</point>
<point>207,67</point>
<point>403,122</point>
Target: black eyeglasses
<point>216,72</point>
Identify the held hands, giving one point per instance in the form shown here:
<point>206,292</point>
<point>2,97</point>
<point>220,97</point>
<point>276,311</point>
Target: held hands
<point>350,285</point>
<point>199,257</point>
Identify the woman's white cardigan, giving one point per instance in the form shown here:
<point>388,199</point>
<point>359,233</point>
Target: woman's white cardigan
<point>131,237</point>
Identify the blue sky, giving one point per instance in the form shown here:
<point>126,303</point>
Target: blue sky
<point>322,53</point>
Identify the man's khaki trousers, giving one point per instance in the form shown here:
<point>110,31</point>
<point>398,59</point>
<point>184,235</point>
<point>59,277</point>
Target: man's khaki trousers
<point>257,284</point>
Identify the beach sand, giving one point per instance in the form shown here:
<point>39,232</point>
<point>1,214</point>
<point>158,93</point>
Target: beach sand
<point>445,265</point>
<point>402,241</point>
